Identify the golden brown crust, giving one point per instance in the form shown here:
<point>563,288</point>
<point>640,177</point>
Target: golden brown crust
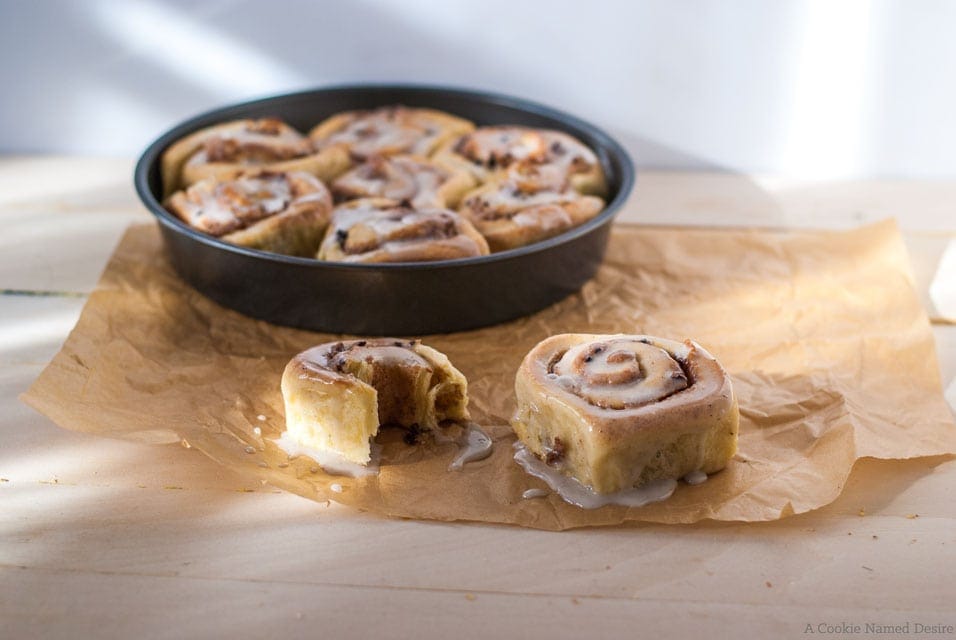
<point>283,212</point>
<point>416,180</point>
<point>543,159</point>
<point>383,230</point>
<point>389,131</point>
<point>509,215</point>
<point>625,409</point>
<point>225,150</point>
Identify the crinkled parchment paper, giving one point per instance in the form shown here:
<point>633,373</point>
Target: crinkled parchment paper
<point>831,356</point>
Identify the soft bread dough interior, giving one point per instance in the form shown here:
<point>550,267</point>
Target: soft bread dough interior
<point>341,411</point>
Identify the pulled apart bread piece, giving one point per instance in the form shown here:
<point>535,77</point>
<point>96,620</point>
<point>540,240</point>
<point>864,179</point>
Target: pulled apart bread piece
<point>338,394</point>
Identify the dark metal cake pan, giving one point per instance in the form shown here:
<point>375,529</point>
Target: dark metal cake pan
<point>390,299</point>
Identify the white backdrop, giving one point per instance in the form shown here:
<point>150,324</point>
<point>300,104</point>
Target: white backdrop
<point>829,88</point>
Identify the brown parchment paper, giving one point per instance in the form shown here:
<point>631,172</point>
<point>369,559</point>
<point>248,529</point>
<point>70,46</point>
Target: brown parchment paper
<point>831,356</point>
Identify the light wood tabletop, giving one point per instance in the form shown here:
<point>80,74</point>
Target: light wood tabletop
<point>106,538</point>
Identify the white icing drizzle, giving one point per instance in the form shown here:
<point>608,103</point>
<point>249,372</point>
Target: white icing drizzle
<point>507,199</point>
<point>396,178</point>
<point>573,492</point>
<point>541,158</point>
<point>695,477</point>
<point>396,234</point>
<point>331,463</point>
<point>336,487</point>
<point>219,207</point>
<point>386,130</point>
<point>252,142</point>
<point>535,493</point>
<point>474,444</point>
<point>547,218</point>
<point>621,372</point>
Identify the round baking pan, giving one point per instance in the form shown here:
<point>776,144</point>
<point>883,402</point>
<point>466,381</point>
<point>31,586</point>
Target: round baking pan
<point>390,299</point>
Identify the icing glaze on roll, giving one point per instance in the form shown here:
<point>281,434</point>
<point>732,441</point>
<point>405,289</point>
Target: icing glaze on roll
<point>623,410</point>
<point>534,159</point>
<point>510,216</point>
<point>414,180</point>
<point>501,146</point>
<point>285,212</point>
<point>389,130</point>
<point>253,142</point>
<point>506,200</point>
<point>381,230</point>
<point>572,491</point>
<point>225,150</point>
<point>621,373</point>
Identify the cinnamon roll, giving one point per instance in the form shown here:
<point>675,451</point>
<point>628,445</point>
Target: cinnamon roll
<point>337,395</point>
<point>224,150</point>
<point>389,131</point>
<point>512,214</point>
<point>550,160</point>
<point>619,411</point>
<point>413,179</point>
<point>282,212</point>
<point>383,230</point>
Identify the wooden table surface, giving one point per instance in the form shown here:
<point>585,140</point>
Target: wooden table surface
<point>105,538</point>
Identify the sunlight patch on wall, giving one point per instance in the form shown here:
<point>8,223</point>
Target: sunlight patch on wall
<point>826,124</point>
<point>110,120</point>
<point>193,50</point>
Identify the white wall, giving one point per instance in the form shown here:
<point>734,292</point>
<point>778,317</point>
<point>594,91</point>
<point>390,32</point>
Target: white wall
<point>828,88</point>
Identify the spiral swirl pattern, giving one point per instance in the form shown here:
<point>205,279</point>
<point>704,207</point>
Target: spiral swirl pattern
<point>534,159</point>
<point>382,230</point>
<point>388,131</point>
<point>618,411</point>
<point>225,150</point>
<point>253,142</point>
<point>620,373</point>
<point>285,212</point>
<point>509,216</point>
<point>409,179</point>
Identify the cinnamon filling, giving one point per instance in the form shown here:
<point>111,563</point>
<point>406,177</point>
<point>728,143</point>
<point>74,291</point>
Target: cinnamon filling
<point>396,225</point>
<point>397,374</point>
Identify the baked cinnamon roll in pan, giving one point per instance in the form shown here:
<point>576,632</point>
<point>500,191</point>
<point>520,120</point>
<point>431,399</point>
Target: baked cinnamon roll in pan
<point>227,149</point>
<point>376,230</point>
<point>621,411</point>
<point>389,130</point>
<point>561,160</point>
<point>281,212</point>
<point>420,182</point>
<point>509,214</point>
